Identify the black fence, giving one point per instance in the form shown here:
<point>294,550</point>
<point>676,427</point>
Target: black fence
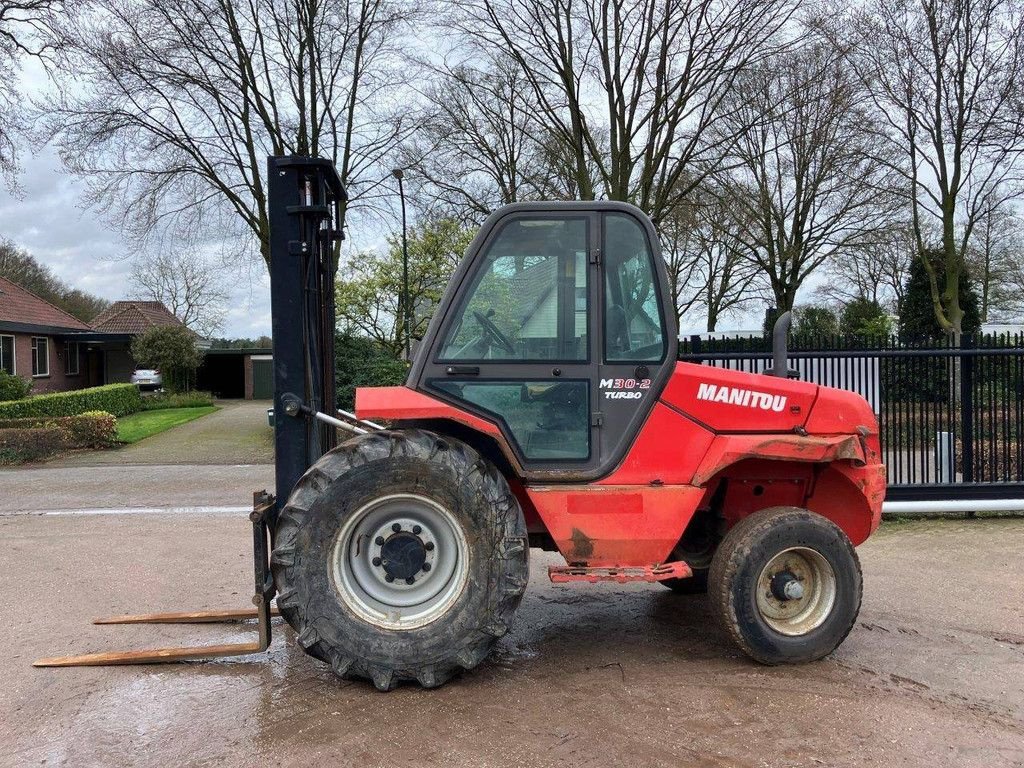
<point>951,418</point>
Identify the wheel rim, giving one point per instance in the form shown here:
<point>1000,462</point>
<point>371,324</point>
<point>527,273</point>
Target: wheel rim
<point>400,561</point>
<point>796,591</point>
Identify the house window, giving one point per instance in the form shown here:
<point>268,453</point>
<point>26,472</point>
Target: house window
<point>72,358</point>
<point>7,354</point>
<point>40,356</point>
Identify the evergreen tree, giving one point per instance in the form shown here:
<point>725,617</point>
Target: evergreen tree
<point>814,321</point>
<point>917,314</point>
<point>866,318</point>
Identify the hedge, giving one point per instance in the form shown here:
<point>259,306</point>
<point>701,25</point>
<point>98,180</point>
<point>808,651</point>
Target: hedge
<point>92,429</point>
<point>118,399</point>
<point>19,445</point>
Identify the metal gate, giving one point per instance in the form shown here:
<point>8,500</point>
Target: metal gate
<point>951,418</point>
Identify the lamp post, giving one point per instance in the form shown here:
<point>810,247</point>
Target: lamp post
<point>407,311</point>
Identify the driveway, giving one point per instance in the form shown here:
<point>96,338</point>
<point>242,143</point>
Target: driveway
<point>590,675</point>
<point>236,434</point>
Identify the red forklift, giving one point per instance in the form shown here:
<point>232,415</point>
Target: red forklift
<point>545,407</point>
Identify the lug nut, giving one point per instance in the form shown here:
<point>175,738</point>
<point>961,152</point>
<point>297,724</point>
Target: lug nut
<point>429,546</point>
<point>426,566</point>
<point>417,530</point>
<point>396,527</point>
<point>379,541</point>
<point>376,561</point>
<point>410,581</point>
<point>389,578</point>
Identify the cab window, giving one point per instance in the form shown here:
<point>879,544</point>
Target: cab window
<point>528,299</point>
<point>633,327</point>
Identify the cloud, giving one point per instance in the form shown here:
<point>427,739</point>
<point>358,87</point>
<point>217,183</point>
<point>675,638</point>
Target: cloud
<point>86,251</point>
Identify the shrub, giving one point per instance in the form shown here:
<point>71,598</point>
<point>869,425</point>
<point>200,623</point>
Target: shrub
<point>172,349</point>
<point>21,445</point>
<point>118,399</point>
<point>92,429</point>
<point>13,387</point>
<point>177,400</point>
<point>362,362</point>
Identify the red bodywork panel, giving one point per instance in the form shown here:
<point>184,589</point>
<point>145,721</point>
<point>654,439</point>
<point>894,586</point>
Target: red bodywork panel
<point>733,401</point>
<point>615,525</point>
<point>751,440</point>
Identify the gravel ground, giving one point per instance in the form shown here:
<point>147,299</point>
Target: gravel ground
<point>591,675</point>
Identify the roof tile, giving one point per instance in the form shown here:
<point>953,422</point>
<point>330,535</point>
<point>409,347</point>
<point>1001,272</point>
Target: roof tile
<point>134,317</point>
<point>18,305</point>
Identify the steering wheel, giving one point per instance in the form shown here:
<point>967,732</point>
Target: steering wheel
<point>491,330</point>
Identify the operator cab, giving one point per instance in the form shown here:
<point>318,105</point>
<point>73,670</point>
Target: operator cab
<point>554,328</point>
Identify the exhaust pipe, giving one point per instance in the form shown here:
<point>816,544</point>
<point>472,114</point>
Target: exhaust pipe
<point>780,354</point>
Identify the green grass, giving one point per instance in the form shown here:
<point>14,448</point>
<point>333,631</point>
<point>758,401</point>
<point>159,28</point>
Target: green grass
<point>139,426</point>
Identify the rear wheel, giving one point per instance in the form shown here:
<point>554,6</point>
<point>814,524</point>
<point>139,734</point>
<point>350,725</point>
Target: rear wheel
<point>400,556</point>
<point>786,585</point>
<point>696,548</point>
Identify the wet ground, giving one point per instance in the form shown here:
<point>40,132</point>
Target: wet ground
<point>933,674</point>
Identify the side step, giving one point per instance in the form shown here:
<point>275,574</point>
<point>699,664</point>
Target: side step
<point>560,574</point>
<point>263,503</point>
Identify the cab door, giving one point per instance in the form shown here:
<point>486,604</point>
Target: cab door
<point>517,343</point>
<point>638,332</point>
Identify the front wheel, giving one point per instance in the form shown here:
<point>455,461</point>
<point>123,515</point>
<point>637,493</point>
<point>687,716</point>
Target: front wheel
<point>400,556</point>
<point>786,585</point>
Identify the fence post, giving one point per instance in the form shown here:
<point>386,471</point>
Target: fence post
<point>695,343</point>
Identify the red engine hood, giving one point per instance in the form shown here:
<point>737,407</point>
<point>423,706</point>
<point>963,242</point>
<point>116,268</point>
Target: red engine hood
<point>733,401</point>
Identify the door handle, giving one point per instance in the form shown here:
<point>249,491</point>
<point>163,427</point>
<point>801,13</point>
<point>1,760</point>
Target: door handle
<point>463,370</point>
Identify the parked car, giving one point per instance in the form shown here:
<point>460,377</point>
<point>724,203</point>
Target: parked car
<point>147,379</point>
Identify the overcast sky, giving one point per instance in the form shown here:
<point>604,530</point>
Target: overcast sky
<point>48,218</point>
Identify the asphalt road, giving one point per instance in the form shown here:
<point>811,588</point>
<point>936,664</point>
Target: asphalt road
<point>628,675</point>
<point>213,462</point>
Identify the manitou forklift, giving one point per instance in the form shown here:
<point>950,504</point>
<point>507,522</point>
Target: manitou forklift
<point>545,407</point>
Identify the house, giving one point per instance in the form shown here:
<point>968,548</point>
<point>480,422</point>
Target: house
<point>58,352</point>
<point>42,342</point>
<point>114,328</point>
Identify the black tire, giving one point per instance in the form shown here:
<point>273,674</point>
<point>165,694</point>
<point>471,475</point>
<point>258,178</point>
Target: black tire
<point>354,475</point>
<point>696,548</point>
<point>697,584</point>
<point>737,567</point>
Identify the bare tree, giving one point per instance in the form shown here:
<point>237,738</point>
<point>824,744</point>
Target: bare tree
<point>807,176</point>
<point>23,26</point>
<point>707,267</point>
<point>629,87</point>
<point>875,270</point>
<point>477,147</point>
<point>170,107</point>
<point>186,284</point>
<point>995,256</point>
<point>944,78</point>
